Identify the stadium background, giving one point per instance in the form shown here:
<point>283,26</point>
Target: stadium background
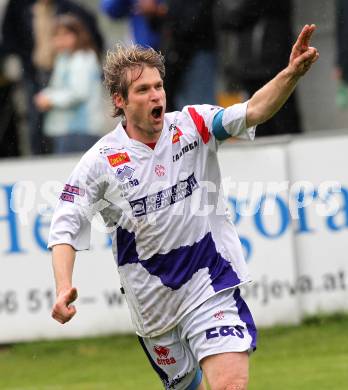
<point>318,89</point>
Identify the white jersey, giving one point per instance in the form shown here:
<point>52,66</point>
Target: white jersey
<point>173,240</point>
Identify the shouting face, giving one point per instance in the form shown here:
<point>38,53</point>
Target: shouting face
<point>145,104</point>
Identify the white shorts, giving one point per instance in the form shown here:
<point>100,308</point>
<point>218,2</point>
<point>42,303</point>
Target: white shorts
<point>221,324</point>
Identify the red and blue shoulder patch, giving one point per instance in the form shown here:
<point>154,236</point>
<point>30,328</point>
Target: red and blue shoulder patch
<point>200,124</point>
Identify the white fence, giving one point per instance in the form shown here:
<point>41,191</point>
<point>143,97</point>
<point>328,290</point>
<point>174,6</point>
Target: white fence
<point>289,202</point>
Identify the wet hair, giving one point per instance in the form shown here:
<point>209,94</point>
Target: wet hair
<point>125,58</point>
<point>84,40</point>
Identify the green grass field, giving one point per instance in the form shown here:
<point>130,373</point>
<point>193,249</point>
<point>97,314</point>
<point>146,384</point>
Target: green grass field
<point>312,356</point>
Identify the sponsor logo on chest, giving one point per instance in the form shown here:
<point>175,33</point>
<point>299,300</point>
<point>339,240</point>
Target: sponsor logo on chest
<point>164,198</point>
<point>118,159</point>
<point>125,176</point>
<point>187,148</point>
<point>124,173</point>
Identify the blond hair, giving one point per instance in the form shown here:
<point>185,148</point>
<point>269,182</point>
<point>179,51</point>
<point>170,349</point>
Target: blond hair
<point>125,58</point>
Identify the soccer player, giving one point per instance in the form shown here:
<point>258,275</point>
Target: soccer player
<point>155,180</point>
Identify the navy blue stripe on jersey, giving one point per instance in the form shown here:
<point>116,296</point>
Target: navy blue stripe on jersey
<point>162,374</point>
<point>177,267</point>
<point>245,316</point>
<point>218,130</point>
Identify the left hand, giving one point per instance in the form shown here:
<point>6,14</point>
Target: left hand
<point>62,310</point>
<point>302,55</point>
<point>42,102</point>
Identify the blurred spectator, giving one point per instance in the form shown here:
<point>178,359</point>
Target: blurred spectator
<point>263,29</point>
<point>73,99</point>
<point>189,49</point>
<point>27,29</point>
<point>342,52</point>
<point>179,28</point>
<point>146,18</point>
<point>9,142</point>
<point>8,117</point>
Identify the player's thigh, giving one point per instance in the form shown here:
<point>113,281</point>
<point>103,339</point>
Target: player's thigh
<point>227,371</point>
<point>221,333</point>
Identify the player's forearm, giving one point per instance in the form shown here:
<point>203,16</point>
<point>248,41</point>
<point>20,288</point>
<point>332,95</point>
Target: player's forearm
<point>63,258</point>
<point>268,100</point>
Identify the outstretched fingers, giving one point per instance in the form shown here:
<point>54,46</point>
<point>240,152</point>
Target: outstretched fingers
<point>307,34</point>
<point>302,55</point>
<point>305,37</point>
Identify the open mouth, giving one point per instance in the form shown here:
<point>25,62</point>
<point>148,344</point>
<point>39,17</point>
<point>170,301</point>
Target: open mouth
<point>157,112</point>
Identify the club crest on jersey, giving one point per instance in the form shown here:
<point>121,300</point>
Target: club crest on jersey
<point>163,355</point>
<point>176,135</point>
<point>160,170</point>
<point>118,159</point>
<point>124,173</point>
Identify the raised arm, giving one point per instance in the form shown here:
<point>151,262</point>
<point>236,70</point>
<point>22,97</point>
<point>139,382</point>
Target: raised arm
<point>271,97</point>
<point>63,258</point>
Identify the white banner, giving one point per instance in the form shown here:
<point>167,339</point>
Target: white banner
<point>293,233</point>
<point>319,167</point>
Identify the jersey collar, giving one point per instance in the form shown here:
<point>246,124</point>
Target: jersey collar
<point>123,137</point>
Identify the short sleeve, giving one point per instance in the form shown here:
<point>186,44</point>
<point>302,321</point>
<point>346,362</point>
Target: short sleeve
<point>203,117</point>
<point>215,123</point>
<point>231,122</point>
<point>71,222</point>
